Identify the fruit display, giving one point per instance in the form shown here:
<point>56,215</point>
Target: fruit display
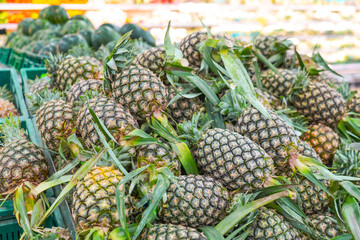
<point>207,138</point>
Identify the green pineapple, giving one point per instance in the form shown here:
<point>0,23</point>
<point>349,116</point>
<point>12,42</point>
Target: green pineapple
<point>55,120</point>
<point>189,47</point>
<point>20,159</point>
<point>169,232</point>
<point>323,140</point>
<point>116,119</point>
<point>234,160</point>
<point>326,225</point>
<point>268,224</point>
<point>94,201</point>
<point>274,135</point>
<point>195,201</point>
<point>80,88</point>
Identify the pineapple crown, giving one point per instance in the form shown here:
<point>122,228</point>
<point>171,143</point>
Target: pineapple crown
<point>52,63</point>
<point>88,95</point>
<point>81,50</point>
<point>6,94</point>
<point>120,57</point>
<point>36,100</point>
<point>301,81</point>
<point>232,105</point>
<point>347,161</point>
<point>11,130</point>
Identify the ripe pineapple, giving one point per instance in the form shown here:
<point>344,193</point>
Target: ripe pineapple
<point>159,156</point>
<point>20,159</point>
<point>271,225</point>
<point>139,90</point>
<point>169,231</point>
<point>320,104</point>
<point>94,201</point>
<point>81,87</point>
<point>306,150</point>
<point>266,45</point>
<point>194,201</point>
<point>274,135</point>
<point>55,121</point>
<point>325,225</point>
<point>7,106</point>
<point>308,196</point>
<point>116,119</point>
<point>154,60</point>
<point>354,104</point>
<point>327,78</point>
<point>279,85</point>
<point>39,84</point>
<point>72,69</point>
<point>323,140</point>
<point>234,160</point>
<point>184,108</point>
<point>189,47</point>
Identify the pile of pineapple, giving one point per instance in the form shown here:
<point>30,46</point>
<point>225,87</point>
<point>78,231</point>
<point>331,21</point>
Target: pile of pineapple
<point>211,138</point>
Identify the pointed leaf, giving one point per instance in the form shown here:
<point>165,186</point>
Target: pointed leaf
<point>351,212</point>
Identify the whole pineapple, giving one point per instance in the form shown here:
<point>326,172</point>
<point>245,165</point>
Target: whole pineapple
<point>169,232</point>
<point>266,45</point>
<point>320,104</point>
<point>325,225</point>
<point>81,87</point>
<point>20,159</point>
<point>195,201</point>
<point>154,60</point>
<point>184,108</point>
<point>72,69</point>
<point>55,120</point>
<point>271,225</point>
<point>274,135</point>
<point>279,84</point>
<point>354,104</point>
<point>94,200</point>
<point>140,90</point>
<point>323,140</point>
<point>189,47</point>
<point>234,160</point>
<point>7,106</point>
<point>116,119</point>
<point>40,86</point>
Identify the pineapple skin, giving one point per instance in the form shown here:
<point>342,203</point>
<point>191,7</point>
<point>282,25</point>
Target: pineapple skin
<point>306,150</point>
<point>35,88</point>
<point>354,104</point>
<point>234,160</point>
<point>320,104</point>
<point>170,232</point>
<point>79,89</point>
<point>115,118</point>
<point>94,201</point>
<point>274,135</point>
<point>154,60</point>
<point>141,91</point>
<point>326,78</point>
<point>323,140</point>
<point>324,226</point>
<point>73,69</point>
<point>21,161</point>
<point>264,44</point>
<point>7,108</point>
<point>55,121</point>
<point>195,201</point>
<point>279,84</point>
<point>271,225</point>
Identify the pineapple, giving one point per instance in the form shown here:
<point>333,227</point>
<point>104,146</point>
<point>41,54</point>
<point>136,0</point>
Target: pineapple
<point>189,47</point>
<point>325,225</point>
<point>268,224</point>
<point>320,104</point>
<point>81,87</point>
<point>94,201</point>
<point>194,201</point>
<point>274,135</point>
<point>154,60</point>
<point>308,196</point>
<point>281,84</point>
<point>140,90</point>
<point>323,140</point>
<point>306,150</point>
<point>38,85</point>
<point>354,104</point>
<point>116,119</point>
<point>233,160</point>
<point>347,162</point>
<point>159,156</point>
<point>20,160</point>
<point>55,121</point>
<point>266,45</point>
<point>326,78</point>
<point>72,69</point>
<point>169,232</point>
<point>7,106</point>
<point>184,108</point>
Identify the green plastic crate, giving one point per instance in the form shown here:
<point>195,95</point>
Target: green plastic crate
<point>5,55</point>
<point>30,74</point>
<point>10,78</point>
<point>16,58</point>
<point>10,229</point>
<point>32,60</point>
